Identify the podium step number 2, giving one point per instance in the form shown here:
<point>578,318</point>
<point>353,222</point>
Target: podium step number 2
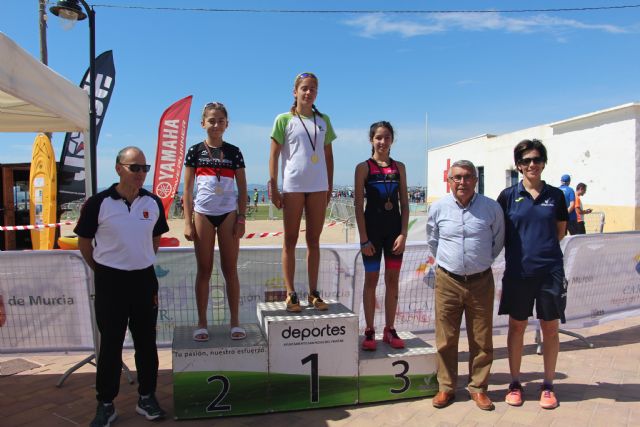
<point>220,377</point>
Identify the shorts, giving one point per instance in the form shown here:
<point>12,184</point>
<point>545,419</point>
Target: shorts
<point>549,292</point>
<point>382,239</point>
<point>572,228</point>
<point>216,220</point>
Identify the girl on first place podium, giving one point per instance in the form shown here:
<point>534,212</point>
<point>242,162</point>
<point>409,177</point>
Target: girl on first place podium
<point>302,138</point>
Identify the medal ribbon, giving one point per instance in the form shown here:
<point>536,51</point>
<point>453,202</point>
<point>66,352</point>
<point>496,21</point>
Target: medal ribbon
<point>315,130</point>
<point>217,162</point>
<point>385,180</point>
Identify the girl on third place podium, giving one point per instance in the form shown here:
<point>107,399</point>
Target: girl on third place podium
<point>214,164</point>
<point>303,138</point>
<point>382,226</point>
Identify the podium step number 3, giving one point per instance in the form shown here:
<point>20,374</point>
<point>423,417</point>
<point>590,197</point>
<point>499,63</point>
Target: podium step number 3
<point>390,374</point>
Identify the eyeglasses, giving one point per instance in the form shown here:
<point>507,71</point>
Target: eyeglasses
<point>525,161</point>
<point>137,168</point>
<point>459,178</point>
<point>305,75</point>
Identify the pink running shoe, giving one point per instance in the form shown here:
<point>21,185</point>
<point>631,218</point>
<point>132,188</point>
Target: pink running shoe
<point>514,396</point>
<point>390,336</point>
<point>548,399</point>
<point>369,343</point>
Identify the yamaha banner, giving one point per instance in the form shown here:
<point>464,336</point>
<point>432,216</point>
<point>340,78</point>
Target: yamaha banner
<point>172,135</point>
<point>71,176</point>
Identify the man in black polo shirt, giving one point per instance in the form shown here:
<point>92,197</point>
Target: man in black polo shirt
<point>119,234</point>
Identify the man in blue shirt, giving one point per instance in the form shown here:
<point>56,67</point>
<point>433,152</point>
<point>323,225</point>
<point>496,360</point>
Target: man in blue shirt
<point>570,200</point>
<point>465,233</point>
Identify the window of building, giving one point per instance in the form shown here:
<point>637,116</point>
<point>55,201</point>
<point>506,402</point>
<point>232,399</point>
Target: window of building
<point>512,177</point>
<point>480,179</point>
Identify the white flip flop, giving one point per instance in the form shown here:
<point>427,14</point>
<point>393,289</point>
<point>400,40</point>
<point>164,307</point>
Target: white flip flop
<point>198,335</point>
<point>238,333</point>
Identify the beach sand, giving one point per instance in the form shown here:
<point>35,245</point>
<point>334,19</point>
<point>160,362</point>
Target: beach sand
<point>332,234</point>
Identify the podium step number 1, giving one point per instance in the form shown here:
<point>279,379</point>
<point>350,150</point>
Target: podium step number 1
<point>313,356</point>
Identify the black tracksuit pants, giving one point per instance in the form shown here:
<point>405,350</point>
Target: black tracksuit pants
<point>126,298</point>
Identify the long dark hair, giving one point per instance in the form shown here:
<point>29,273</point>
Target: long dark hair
<point>375,126</point>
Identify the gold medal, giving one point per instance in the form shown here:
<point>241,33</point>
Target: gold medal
<point>219,190</point>
<point>388,205</point>
<point>314,158</point>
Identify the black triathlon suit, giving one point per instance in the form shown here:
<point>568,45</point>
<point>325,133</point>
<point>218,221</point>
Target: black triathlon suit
<point>382,217</point>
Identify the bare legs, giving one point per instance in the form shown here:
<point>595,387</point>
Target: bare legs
<point>391,278</point>
<point>204,243</point>
<point>314,205</point>
<point>369,297</point>
<point>551,347</point>
<point>229,247</point>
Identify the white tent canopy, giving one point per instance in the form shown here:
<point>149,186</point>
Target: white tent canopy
<point>34,98</point>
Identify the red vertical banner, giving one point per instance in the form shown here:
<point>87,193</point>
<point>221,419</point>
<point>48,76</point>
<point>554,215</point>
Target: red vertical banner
<point>172,135</point>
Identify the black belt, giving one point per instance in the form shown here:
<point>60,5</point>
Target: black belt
<point>465,278</point>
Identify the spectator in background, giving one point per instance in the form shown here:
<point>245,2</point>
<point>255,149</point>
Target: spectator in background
<point>3,314</point>
<point>570,200</point>
<point>255,198</point>
<point>581,190</point>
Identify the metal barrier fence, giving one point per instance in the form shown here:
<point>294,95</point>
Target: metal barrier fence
<point>47,294</point>
<point>594,222</point>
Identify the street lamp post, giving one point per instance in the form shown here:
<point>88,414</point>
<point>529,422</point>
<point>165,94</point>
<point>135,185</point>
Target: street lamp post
<point>70,10</point>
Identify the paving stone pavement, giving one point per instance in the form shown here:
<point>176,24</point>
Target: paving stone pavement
<point>597,386</point>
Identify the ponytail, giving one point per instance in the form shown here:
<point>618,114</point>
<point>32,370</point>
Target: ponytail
<point>313,107</point>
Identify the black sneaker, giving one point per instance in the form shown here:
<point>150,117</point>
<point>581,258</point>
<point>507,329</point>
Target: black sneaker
<point>316,302</point>
<point>149,407</point>
<point>293,303</point>
<point>105,415</point>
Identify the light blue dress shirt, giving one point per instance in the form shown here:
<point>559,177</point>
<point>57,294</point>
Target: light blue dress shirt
<point>465,240</point>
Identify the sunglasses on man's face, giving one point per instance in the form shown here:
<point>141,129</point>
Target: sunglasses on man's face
<point>526,161</point>
<point>137,168</point>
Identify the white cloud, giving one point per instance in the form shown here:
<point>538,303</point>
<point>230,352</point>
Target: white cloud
<point>379,24</point>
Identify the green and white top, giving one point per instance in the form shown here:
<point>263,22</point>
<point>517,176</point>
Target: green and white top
<point>304,169</point>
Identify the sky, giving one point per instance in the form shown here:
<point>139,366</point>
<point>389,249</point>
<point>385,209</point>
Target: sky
<point>437,77</point>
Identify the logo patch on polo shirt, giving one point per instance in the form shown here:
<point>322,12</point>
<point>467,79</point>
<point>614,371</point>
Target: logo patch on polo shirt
<point>548,202</point>
<point>145,214</point>
<point>519,199</point>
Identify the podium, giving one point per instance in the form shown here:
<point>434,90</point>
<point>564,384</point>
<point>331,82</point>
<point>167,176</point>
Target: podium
<point>291,361</point>
<point>390,374</point>
<point>219,377</point>
<point>313,356</point>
